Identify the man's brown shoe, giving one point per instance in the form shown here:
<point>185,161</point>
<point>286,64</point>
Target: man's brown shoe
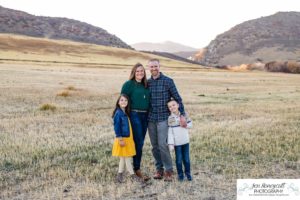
<point>158,175</point>
<point>143,176</point>
<point>168,176</point>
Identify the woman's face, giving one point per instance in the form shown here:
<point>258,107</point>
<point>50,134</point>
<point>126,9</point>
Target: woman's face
<point>139,73</point>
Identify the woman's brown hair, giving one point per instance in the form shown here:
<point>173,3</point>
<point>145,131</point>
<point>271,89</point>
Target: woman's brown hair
<point>132,74</point>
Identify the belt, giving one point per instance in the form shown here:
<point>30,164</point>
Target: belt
<point>142,111</point>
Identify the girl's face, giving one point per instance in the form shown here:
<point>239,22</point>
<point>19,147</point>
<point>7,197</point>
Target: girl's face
<point>123,102</point>
<point>139,73</point>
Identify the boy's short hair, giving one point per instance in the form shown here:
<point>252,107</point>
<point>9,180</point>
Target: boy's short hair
<point>172,100</point>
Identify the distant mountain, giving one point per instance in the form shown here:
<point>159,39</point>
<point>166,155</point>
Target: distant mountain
<point>172,56</point>
<point>271,38</point>
<point>18,22</point>
<point>169,47</point>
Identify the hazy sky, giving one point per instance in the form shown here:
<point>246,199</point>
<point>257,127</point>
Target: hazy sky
<point>190,22</point>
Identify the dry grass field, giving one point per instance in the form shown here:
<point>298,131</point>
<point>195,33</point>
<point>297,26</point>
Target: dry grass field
<point>56,131</point>
<point>30,50</point>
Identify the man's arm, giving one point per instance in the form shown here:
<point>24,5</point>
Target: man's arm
<point>174,93</point>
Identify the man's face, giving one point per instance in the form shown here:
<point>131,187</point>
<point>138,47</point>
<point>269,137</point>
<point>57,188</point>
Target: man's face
<point>154,68</point>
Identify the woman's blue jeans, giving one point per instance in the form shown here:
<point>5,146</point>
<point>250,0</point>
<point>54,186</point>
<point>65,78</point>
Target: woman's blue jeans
<point>139,123</point>
<point>182,153</point>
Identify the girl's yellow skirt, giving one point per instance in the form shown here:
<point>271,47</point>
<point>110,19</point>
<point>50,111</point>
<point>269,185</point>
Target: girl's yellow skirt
<point>128,150</point>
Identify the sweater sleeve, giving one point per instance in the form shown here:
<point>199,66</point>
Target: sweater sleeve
<point>126,88</point>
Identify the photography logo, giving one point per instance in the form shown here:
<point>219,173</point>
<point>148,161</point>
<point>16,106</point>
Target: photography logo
<point>268,189</point>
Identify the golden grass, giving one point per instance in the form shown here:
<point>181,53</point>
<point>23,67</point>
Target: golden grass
<point>57,52</point>
<point>246,125</point>
<point>63,94</point>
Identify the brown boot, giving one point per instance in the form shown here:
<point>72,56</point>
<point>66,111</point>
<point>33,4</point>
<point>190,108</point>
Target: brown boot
<point>143,176</point>
<point>120,178</point>
<point>168,176</point>
<point>135,178</point>
<point>159,174</point>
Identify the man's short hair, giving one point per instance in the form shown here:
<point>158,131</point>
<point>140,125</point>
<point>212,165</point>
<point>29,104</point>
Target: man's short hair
<point>154,60</point>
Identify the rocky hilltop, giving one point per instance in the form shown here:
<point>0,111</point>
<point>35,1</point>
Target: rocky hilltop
<point>275,37</point>
<point>18,22</point>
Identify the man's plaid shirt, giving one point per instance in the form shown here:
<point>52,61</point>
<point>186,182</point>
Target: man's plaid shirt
<point>162,90</point>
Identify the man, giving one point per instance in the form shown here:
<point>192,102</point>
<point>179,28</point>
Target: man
<point>162,89</point>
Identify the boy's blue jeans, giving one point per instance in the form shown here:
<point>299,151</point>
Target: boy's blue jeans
<point>182,153</point>
<point>139,123</point>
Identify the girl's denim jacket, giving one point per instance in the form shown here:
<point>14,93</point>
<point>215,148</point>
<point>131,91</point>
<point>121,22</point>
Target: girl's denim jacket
<point>121,124</point>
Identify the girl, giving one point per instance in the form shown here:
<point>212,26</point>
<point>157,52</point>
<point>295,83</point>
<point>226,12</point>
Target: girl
<point>123,146</point>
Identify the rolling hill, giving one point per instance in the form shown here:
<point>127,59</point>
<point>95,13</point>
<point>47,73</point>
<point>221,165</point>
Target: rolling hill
<point>26,50</point>
<point>18,22</point>
<point>271,38</point>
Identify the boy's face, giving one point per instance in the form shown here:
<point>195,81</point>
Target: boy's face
<point>173,106</point>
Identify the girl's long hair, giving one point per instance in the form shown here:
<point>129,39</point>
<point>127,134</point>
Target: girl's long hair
<point>132,74</point>
<point>127,108</point>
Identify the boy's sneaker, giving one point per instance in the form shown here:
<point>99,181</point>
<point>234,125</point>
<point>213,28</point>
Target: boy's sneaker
<point>159,174</point>
<point>180,177</point>
<point>189,177</point>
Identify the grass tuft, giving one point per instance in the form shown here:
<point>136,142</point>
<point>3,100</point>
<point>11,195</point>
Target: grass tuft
<point>64,94</point>
<point>47,106</point>
<point>71,88</point>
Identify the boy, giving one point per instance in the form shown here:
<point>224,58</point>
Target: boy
<point>178,137</point>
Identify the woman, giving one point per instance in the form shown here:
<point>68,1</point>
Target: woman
<point>137,91</point>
